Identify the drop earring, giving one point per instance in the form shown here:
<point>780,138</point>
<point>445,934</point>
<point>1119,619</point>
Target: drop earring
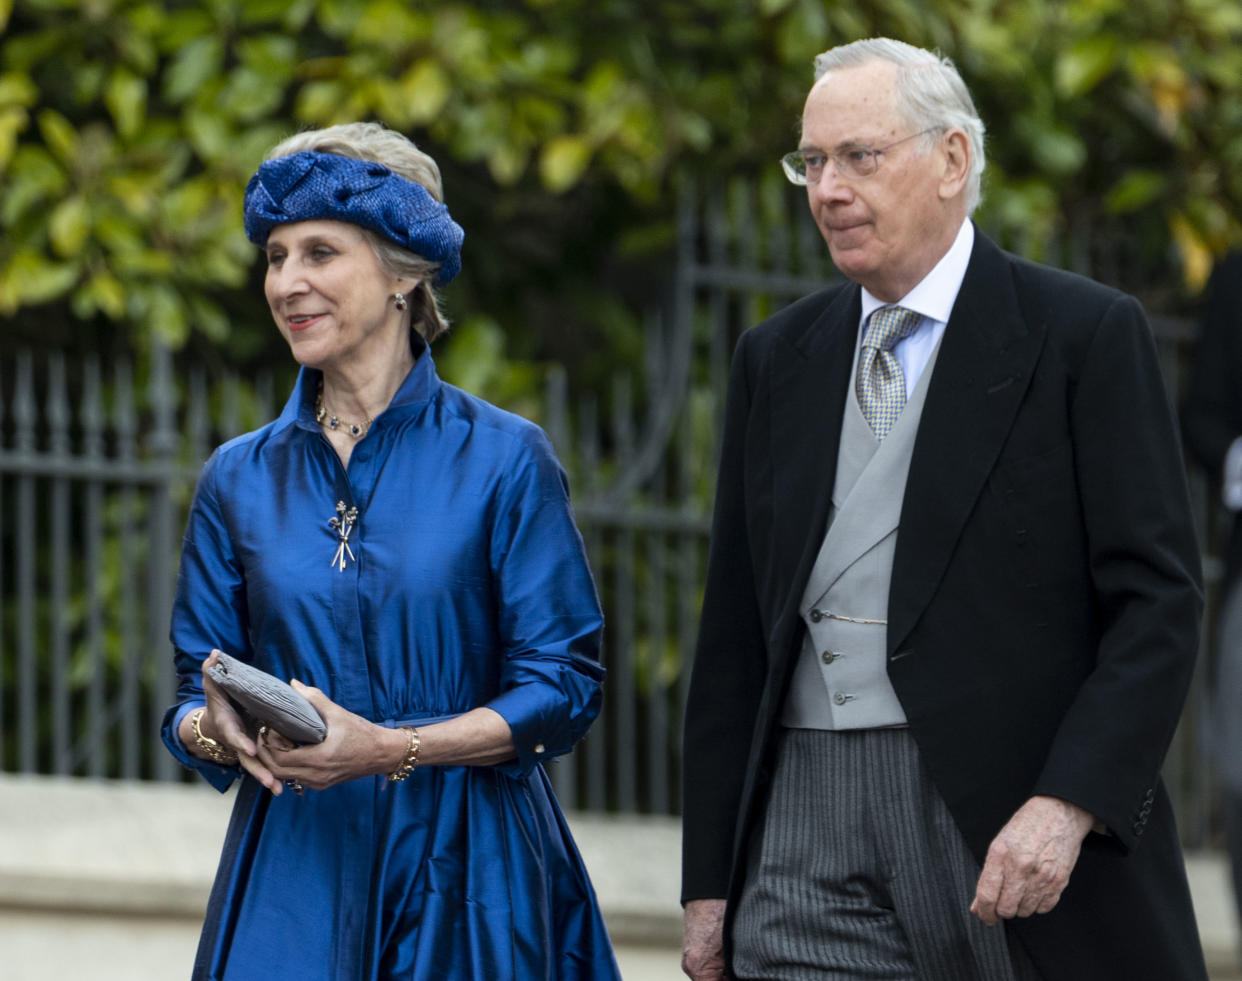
<point>399,301</point>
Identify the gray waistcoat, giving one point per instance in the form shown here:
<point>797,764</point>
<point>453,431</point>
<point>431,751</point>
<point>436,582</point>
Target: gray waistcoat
<point>841,679</point>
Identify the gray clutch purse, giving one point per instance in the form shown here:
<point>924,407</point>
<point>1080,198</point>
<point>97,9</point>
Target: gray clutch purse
<point>263,699</point>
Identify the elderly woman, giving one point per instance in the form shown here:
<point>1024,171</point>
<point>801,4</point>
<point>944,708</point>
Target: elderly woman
<point>407,553</point>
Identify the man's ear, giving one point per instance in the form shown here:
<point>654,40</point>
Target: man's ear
<point>956,150</point>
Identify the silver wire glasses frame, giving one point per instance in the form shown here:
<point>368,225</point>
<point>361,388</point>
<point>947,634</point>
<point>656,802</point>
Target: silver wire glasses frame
<point>804,167</point>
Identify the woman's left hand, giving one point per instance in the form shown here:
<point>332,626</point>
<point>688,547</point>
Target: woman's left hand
<point>354,747</point>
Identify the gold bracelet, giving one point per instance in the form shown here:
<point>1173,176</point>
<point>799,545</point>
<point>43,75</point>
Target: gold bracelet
<point>411,757</point>
<point>214,750</point>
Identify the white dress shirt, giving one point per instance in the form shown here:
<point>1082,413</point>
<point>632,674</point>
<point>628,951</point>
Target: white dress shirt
<point>933,297</point>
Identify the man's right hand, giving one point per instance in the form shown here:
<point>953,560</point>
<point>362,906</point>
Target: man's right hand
<point>702,948</point>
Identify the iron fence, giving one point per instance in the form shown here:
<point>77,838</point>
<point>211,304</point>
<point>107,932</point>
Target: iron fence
<point>96,471</point>
<point>97,467</point>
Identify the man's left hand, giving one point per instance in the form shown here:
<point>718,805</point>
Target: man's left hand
<point>1029,863</point>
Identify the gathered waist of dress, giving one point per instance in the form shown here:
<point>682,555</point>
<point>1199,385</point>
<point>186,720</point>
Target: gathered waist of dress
<point>417,720</point>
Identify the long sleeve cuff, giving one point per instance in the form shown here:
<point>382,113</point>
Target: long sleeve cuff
<point>536,717</point>
<point>220,777</point>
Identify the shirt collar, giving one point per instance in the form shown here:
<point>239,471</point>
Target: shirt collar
<point>936,293</point>
<point>418,388</point>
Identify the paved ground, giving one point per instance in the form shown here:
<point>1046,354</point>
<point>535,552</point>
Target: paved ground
<point>45,946</point>
<point>107,881</point>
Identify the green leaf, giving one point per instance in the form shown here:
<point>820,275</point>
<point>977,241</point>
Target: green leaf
<point>318,102</point>
<point>1060,152</point>
<point>198,61</point>
<point>183,207</point>
<point>1221,17</point>
<point>183,26</point>
<point>126,99</point>
<point>210,134</point>
<point>1085,64</point>
<point>136,193</point>
<point>34,280</point>
<point>563,161</point>
<point>297,13</point>
<point>119,236</point>
<point>12,122</point>
<point>261,12</point>
<point>271,55</point>
<point>137,48</point>
<point>1054,148</point>
<point>25,51</point>
<point>252,144</point>
<point>17,89</point>
<point>34,177</point>
<point>474,355</point>
<point>425,89</point>
<point>696,130</point>
<point>339,17</point>
<point>105,294</point>
<point>387,24</point>
<point>59,136</point>
<point>143,262</point>
<point>249,96</point>
<point>804,32</point>
<point>1136,189</point>
<point>68,226</point>
<point>507,162</point>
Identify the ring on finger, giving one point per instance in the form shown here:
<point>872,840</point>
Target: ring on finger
<point>295,786</point>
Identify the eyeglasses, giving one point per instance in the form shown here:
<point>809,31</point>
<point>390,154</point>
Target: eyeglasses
<point>807,166</point>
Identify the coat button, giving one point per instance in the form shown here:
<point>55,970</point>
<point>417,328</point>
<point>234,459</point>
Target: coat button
<point>816,616</point>
<point>841,698</point>
<point>828,656</point>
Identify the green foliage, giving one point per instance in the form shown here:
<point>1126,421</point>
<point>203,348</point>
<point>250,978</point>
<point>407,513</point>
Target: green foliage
<point>128,129</point>
<point>477,362</point>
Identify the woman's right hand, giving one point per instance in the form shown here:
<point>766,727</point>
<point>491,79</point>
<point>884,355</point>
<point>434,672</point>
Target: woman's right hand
<point>221,722</point>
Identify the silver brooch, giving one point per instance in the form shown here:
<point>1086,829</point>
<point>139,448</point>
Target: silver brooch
<point>343,524</point>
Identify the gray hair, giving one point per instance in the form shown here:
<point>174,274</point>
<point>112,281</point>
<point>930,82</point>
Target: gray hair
<point>375,142</point>
<point>930,93</point>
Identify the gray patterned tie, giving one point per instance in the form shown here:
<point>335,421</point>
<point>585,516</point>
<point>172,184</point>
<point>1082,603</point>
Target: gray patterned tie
<point>881,385</point>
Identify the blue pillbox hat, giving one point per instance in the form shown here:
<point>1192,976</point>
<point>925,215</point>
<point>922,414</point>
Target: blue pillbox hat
<point>309,185</point>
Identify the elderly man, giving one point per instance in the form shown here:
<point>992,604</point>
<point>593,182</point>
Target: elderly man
<point>953,596</point>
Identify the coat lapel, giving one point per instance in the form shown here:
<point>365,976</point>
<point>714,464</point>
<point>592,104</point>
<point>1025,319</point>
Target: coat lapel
<point>810,377</point>
<point>986,360</point>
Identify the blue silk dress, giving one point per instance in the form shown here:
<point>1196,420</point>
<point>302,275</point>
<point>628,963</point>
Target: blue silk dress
<point>468,586</point>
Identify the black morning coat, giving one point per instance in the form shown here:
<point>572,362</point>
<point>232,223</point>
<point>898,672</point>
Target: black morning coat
<point>1045,602</point>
